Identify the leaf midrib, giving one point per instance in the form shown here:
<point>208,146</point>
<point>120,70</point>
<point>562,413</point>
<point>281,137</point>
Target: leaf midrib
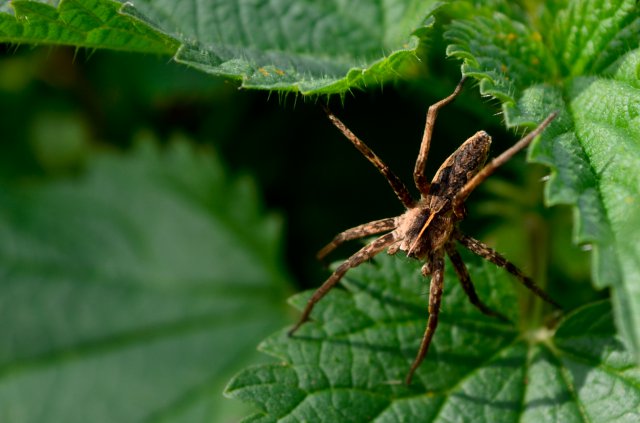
<point>123,340</point>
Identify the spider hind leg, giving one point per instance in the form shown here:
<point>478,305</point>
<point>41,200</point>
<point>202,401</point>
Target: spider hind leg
<point>419,175</point>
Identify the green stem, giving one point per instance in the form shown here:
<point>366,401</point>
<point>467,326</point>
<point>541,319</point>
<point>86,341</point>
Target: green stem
<point>538,236</point>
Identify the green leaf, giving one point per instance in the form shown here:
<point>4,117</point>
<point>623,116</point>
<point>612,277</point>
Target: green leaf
<point>309,46</point>
<point>287,45</point>
<point>582,59</point>
<point>132,292</point>
<point>348,364</point>
<point>82,23</point>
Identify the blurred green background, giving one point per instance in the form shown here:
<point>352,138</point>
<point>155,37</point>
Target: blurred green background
<point>59,106</point>
<point>62,111</point>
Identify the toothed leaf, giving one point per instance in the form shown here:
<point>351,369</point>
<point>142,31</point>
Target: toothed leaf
<point>349,363</point>
<point>284,45</point>
<point>583,60</point>
<point>82,23</point>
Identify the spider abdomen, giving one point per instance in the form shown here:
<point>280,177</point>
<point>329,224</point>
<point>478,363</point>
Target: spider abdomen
<point>427,230</point>
<point>458,169</point>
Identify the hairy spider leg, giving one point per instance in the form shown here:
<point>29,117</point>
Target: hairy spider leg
<point>397,185</point>
<point>364,254</point>
<point>496,163</point>
<point>435,298</point>
<point>360,231</point>
<point>419,177</point>
<point>467,284</point>
<point>486,252</point>
<point>435,262</point>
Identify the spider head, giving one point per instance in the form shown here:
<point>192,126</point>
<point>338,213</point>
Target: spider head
<point>423,231</point>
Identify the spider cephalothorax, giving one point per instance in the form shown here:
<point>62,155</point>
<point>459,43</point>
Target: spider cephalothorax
<point>428,225</point>
<point>427,230</point>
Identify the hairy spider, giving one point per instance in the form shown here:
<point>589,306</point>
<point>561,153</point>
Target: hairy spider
<point>429,227</point>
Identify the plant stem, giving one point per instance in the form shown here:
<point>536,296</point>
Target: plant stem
<point>540,244</point>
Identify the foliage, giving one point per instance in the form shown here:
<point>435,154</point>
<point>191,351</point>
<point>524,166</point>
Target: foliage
<point>349,365</point>
<point>160,254</point>
<point>108,299</point>
<point>288,45</point>
<point>84,23</point>
<point>587,66</point>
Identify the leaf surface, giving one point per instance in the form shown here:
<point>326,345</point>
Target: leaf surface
<point>583,60</point>
<point>286,45</point>
<point>81,23</point>
<point>348,364</point>
<point>130,294</point>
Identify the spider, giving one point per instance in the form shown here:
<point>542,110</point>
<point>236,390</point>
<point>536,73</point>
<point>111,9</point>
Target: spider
<point>428,229</point>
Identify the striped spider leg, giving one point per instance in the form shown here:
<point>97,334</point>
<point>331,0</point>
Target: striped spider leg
<point>428,229</point>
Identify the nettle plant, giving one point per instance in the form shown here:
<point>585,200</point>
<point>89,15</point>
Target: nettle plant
<point>125,315</point>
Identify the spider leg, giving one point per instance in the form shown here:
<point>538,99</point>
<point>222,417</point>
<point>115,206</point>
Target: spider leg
<point>358,258</point>
<point>467,285</point>
<point>419,171</point>
<point>435,298</point>
<point>486,252</point>
<point>486,171</point>
<point>397,185</point>
<point>359,231</point>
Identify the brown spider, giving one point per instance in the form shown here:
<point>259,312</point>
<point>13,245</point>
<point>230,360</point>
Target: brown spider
<point>429,227</point>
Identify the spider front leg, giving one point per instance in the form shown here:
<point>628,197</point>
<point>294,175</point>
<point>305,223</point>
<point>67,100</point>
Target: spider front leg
<point>419,171</point>
<point>436,268</point>
<point>360,231</point>
<point>358,258</point>
<point>467,285</point>
<point>486,252</point>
